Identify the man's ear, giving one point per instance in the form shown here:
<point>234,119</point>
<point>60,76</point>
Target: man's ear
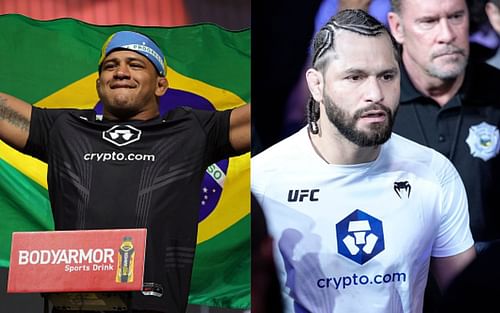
<point>98,87</point>
<point>315,83</point>
<point>493,13</point>
<point>161,86</point>
<point>396,27</point>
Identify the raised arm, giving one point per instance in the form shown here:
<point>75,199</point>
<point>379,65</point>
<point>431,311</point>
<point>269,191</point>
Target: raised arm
<point>15,116</point>
<point>239,131</point>
<point>447,268</point>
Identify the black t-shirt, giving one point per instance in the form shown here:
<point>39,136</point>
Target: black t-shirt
<point>466,131</point>
<point>134,174</point>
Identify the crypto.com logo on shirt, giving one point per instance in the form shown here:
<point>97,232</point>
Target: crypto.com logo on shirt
<point>122,135</point>
<point>360,237</point>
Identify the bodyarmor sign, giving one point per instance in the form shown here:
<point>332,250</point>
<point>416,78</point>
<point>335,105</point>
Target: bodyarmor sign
<point>77,261</point>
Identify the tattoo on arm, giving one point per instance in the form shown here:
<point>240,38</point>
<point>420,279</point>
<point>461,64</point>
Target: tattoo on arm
<point>13,117</point>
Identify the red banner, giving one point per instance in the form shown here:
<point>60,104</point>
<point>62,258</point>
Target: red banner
<point>77,261</point>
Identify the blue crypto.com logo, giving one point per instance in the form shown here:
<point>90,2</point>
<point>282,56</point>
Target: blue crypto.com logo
<point>360,237</point>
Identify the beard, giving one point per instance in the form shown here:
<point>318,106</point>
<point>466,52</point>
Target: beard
<point>377,134</point>
<point>455,67</point>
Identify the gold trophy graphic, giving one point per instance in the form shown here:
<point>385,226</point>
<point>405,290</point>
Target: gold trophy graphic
<point>125,268</point>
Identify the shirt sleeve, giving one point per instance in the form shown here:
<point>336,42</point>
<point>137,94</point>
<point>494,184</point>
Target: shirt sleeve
<point>454,235</point>
<point>42,121</point>
<point>215,125</point>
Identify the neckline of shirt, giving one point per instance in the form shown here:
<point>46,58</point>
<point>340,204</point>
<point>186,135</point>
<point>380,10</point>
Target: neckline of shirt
<point>343,168</point>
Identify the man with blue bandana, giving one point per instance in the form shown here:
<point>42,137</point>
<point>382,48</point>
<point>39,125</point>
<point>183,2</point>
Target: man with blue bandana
<point>131,167</point>
<point>139,43</point>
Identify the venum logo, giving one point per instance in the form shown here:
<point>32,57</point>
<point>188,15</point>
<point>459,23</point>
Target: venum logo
<point>300,195</point>
<point>122,135</point>
<point>402,185</point>
<point>360,237</point>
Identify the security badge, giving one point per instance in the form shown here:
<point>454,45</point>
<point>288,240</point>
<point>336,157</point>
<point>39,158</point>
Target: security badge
<point>483,141</point>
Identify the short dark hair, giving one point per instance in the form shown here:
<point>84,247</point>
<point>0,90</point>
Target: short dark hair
<point>396,6</point>
<point>357,21</point>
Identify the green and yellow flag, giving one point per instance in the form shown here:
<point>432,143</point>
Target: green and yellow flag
<point>54,65</point>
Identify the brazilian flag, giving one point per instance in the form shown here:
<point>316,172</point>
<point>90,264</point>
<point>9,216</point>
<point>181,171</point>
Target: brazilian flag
<point>53,64</point>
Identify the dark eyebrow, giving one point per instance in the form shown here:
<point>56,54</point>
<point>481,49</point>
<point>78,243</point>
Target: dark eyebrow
<point>129,59</point>
<point>355,71</point>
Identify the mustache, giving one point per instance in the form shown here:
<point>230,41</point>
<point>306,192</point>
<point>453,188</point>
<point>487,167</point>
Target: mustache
<point>357,115</point>
<point>447,50</point>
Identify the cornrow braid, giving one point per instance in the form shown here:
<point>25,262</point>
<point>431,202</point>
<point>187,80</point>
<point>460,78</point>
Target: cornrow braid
<point>313,115</point>
<point>323,41</point>
<point>357,21</point>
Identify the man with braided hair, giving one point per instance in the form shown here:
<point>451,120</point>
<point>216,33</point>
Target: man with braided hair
<point>359,215</point>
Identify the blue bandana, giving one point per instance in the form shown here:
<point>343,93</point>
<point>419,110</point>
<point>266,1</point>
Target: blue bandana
<point>138,43</point>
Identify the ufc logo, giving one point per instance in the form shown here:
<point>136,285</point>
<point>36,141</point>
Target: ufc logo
<point>300,195</point>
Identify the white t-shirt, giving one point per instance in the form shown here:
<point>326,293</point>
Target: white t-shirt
<point>358,238</point>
